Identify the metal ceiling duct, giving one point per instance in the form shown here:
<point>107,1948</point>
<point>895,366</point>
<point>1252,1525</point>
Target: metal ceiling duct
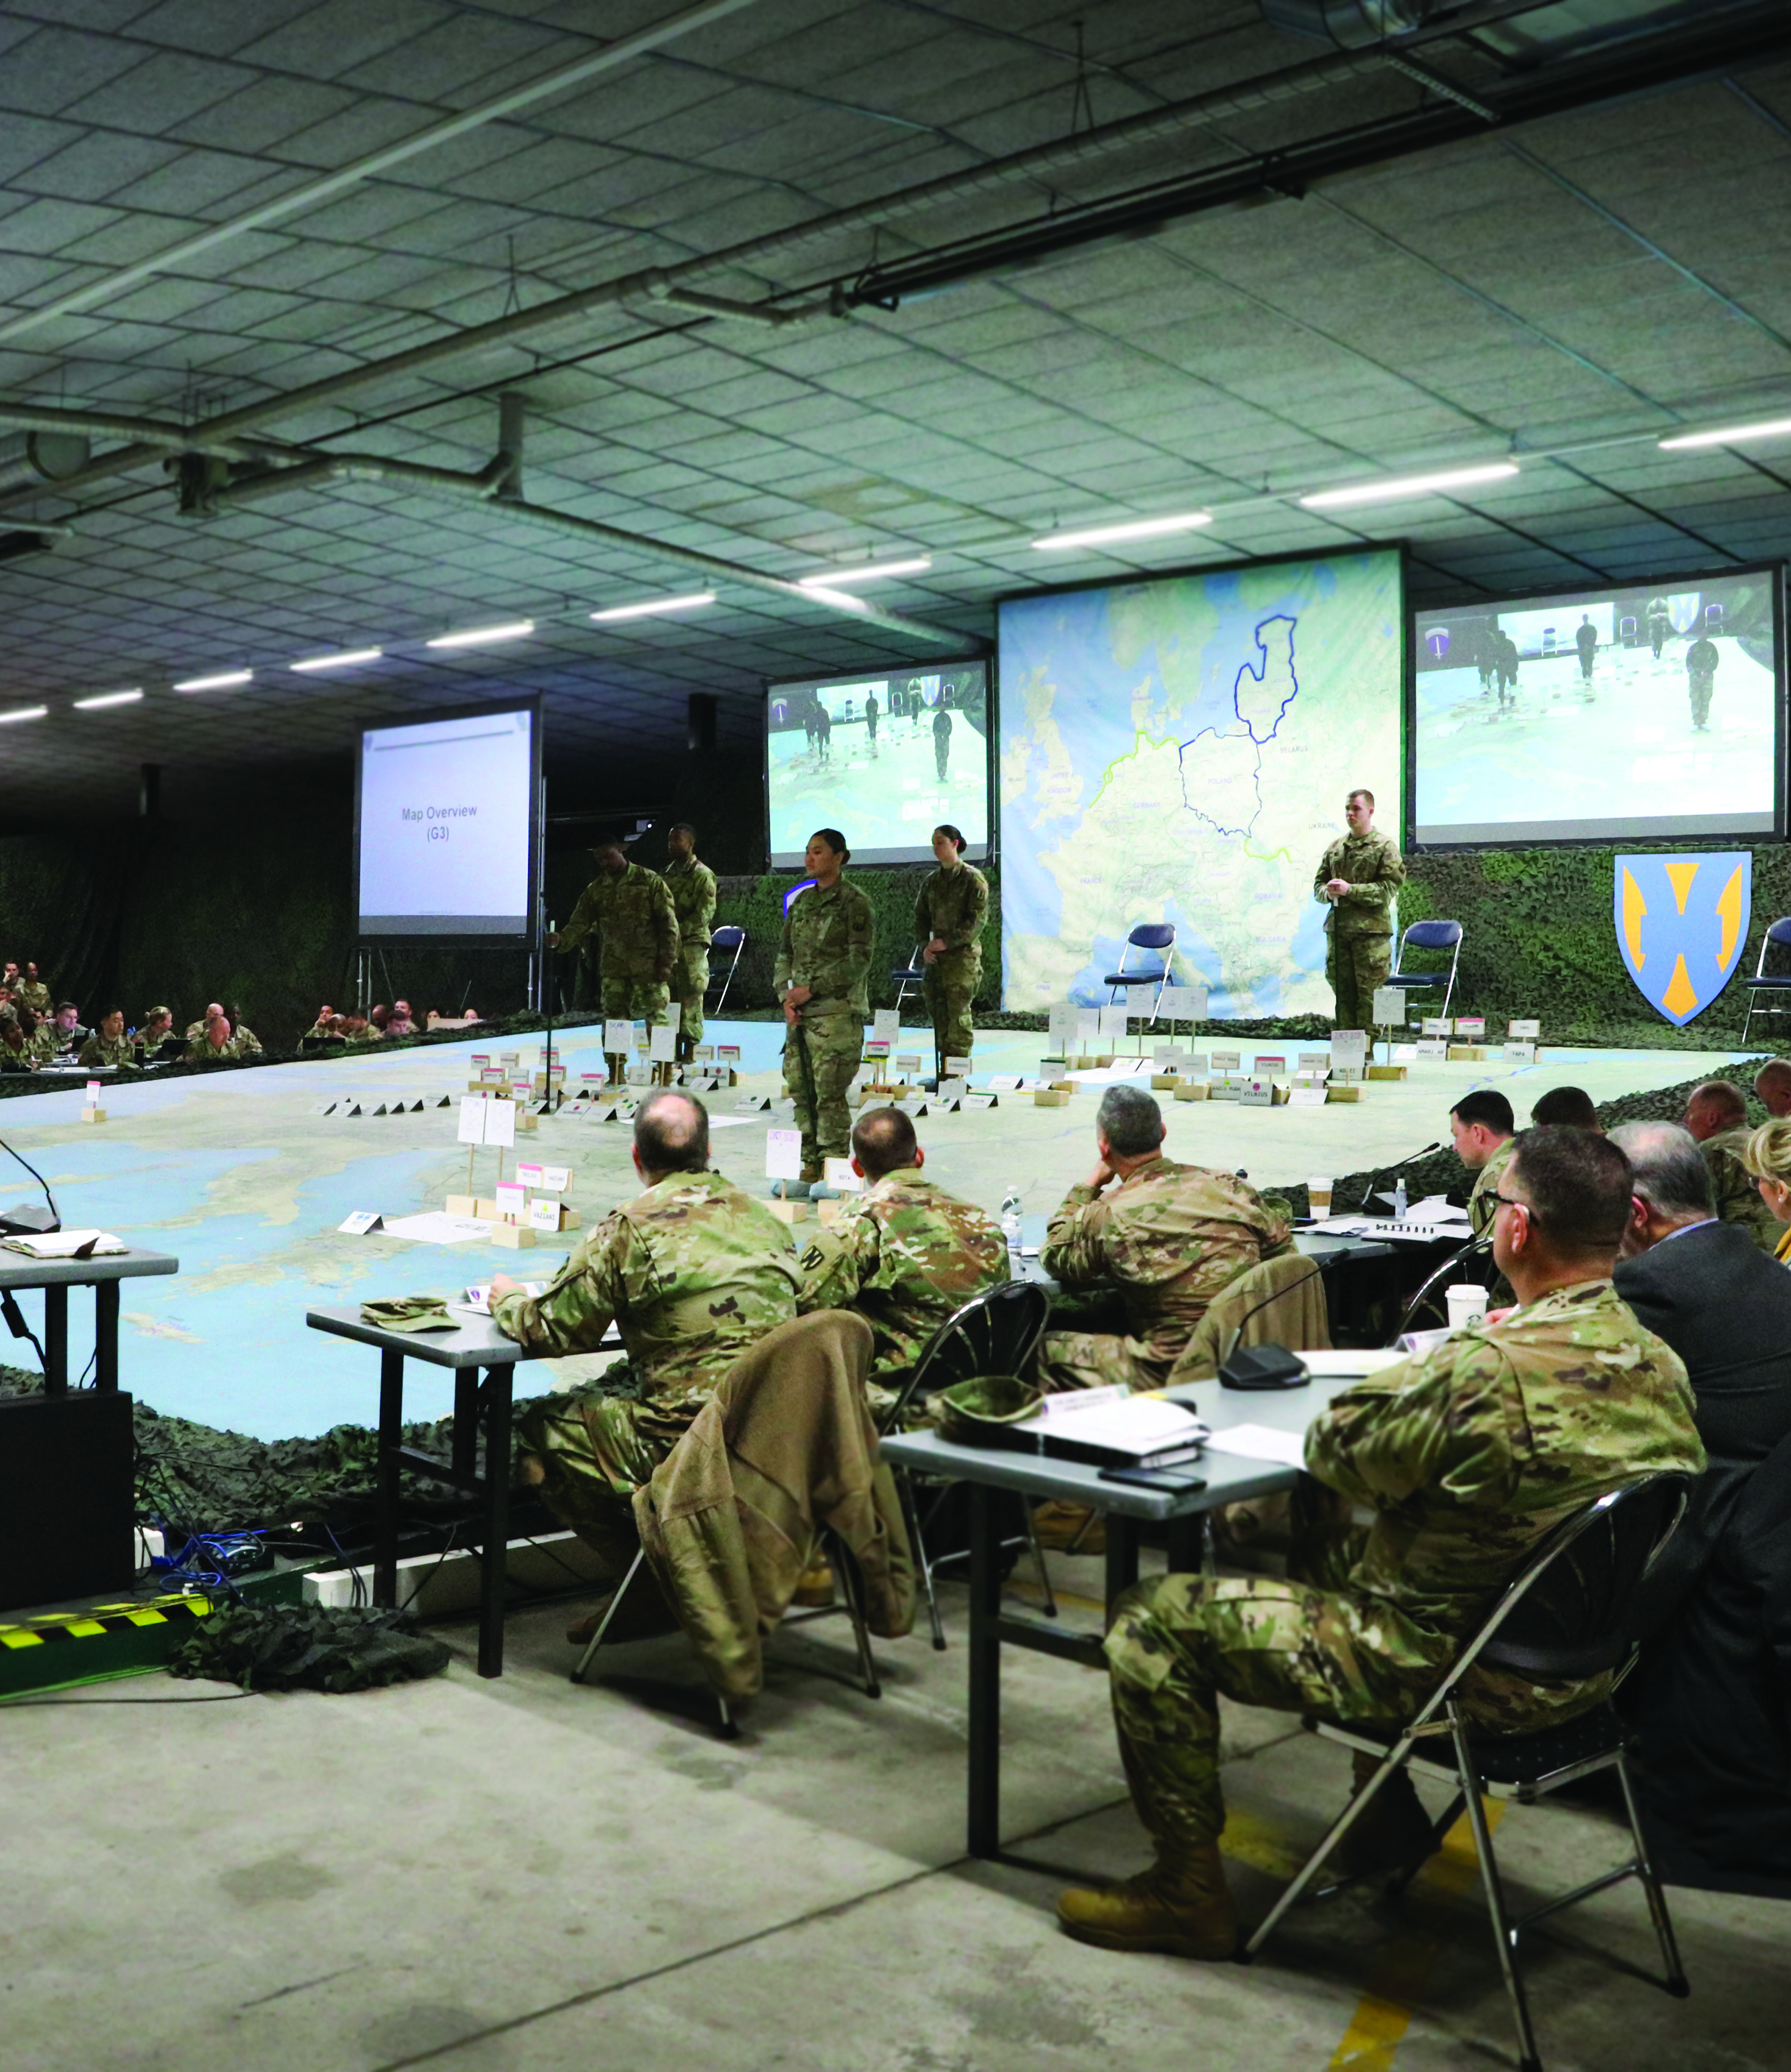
<point>29,459</point>
<point>1357,25</point>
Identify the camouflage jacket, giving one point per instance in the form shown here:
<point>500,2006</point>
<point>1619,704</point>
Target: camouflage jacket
<point>34,994</point>
<point>636,921</point>
<point>1737,1192</point>
<point>691,884</point>
<point>826,944</point>
<point>1171,1238</point>
<point>693,1272</point>
<point>953,905</point>
<point>46,1042</point>
<point>1375,871</point>
<point>1470,1454</point>
<point>98,1051</point>
<point>905,1256</point>
<point>1482,1203</point>
<point>200,1052</point>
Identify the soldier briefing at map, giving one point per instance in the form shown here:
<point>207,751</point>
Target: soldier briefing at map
<point>1169,1238</point>
<point>692,884</point>
<point>1360,875</point>
<point>629,909</point>
<point>949,915</point>
<point>1467,1456</point>
<point>821,977</point>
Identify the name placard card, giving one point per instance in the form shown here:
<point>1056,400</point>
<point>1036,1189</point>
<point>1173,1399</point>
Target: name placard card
<point>527,1175</point>
<point>1520,1054</point>
<point>1473,1027</point>
<point>662,1048</point>
<point>1390,1004</point>
<point>958,1068</point>
<point>1530,1030</point>
<point>1007,1083</point>
<point>1182,1003</point>
<point>876,1050</point>
<point>618,1035</point>
<point>1060,1023</point>
<point>1268,1064</point>
<point>702,1054</point>
<point>1348,1046</point>
<point>838,1173</point>
<point>1431,1046</point>
<point>1112,1019</point>
<point>1300,1096</point>
<point>480,1057</point>
<point>511,1196</point>
<point>911,1104</point>
<point>1088,1021</point>
<point>1196,1065</point>
<point>783,1154</point>
<point>500,1123</point>
<point>544,1216</point>
<point>977,1100</point>
<point>885,1025</point>
<point>360,1222</point>
<point>472,1119</point>
<point>1435,1024</point>
<point>907,1062</point>
<point>727,1053</point>
<point>1227,1061</point>
<point>673,1016</point>
<point>638,1075</point>
<point>510,1057</point>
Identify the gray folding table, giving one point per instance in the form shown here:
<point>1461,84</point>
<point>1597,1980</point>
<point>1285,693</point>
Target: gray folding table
<point>1229,1479</point>
<point>475,1344</point>
<point>56,1277</point>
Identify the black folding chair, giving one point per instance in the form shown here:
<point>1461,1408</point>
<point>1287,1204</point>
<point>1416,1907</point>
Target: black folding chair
<point>997,1332</point>
<point>909,977</point>
<point>1768,987</point>
<point>1148,936</point>
<point>1563,1617</point>
<point>724,939</point>
<point>1428,935</point>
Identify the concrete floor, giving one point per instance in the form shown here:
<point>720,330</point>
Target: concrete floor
<point>524,1876</point>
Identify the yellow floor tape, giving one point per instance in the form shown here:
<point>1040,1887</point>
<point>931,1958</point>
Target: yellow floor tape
<point>1404,1967</point>
<point>100,1619</point>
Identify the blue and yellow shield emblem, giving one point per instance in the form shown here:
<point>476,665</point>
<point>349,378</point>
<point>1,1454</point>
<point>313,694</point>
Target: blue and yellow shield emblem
<point>1681,922</point>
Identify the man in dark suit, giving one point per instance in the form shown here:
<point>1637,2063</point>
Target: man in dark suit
<point>1724,1306</point>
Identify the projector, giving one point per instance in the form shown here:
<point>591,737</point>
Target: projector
<point>28,1219</point>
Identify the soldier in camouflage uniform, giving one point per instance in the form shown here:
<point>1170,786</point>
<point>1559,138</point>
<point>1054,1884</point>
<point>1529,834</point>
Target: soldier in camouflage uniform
<point>691,885</point>
<point>220,1045</point>
<point>948,922</point>
<point>630,908</point>
<point>108,1045</point>
<point>1481,1124</point>
<point>1469,1456</point>
<point>1716,1115</point>
<point>1171,1237</point>
<point>32,992</point>
<point>1360,875</point>
<point>822,963</point>
<point>694,1272</point>
<point>905,1254</point>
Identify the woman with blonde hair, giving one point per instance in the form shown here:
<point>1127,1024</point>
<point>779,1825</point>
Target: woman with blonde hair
<point>1767,1155</point>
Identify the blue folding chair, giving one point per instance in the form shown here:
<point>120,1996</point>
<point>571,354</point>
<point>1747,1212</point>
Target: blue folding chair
<point>1771,984</point>
<point>1148,936</point>
<point>1428,935</point>
<point>910,976</point>
<point>724,939</point>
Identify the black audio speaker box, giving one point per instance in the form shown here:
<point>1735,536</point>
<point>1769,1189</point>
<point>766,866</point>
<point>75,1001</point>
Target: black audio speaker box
<point>66,1465</point>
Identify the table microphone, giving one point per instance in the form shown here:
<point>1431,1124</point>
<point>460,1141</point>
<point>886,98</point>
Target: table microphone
<point>1265,1366</point>
<point>24,1220</point>
<point>1386,1172</point>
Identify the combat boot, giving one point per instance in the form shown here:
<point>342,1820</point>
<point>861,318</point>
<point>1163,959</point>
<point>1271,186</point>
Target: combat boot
<point>1181,1905</point>
<point>1394,1830</point>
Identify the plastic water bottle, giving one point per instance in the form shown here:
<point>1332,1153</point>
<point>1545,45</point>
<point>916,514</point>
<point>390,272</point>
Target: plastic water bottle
<point>1400,1199</point>
<point>1010,1222</point>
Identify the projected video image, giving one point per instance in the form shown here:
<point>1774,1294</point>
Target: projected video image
<point>883,758</point>
<point>1651,710</point>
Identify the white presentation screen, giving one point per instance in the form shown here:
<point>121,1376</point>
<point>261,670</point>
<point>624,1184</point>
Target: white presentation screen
<point>884,757</point>
<point>1179,751</point>
<point>1647,709</point>
<point>446,824</point>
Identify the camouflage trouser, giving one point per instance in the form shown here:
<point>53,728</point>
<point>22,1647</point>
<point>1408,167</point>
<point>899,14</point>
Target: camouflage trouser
<point>821,1055</point>
<point>690,980</point>
<point>596,1451</point>
<point>634,999</point>
<point>1701,687</point>
<point>950,985</point>
<point>1180,1642</point>
<point>1091,1359</point>
<point>1355,965</point>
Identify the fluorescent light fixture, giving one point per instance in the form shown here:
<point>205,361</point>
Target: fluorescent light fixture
<point>24,711</point>
<point>1130,529</point>
<point>518,629</point>
<point>107,698</point>
<point>872,572</point>
<point>227,681</point>
<point>695,598</point>
<point>842,600</point>
<point>1731,435</point>
<point>1398,487</point>
<point>346,661</point>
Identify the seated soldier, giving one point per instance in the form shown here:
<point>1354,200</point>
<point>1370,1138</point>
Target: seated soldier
<point>196,1030</point>
<point>1170,1237</point>
<point>1716,1115</point>
<point>325,1014</point>
<point>108,1045</point>
<point>694,1272</point>
<point>1483,1127</point>
<point>16,1053</point>
<point>248,1044</point>
<point>905,1254</point>
<point>218,1045</point>
<point>158,1025</point>
<point>1469,1456</point>
<point>1572,1106</point>
<point>398,1022</point>
<point>34,993</point>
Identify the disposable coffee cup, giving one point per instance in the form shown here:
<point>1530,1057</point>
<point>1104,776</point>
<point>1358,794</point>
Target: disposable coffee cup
<point>1318,1195</point>
<point>1465,1303</point>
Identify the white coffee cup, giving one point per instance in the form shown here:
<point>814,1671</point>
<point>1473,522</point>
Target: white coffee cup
<point>1466,1302</point>
<point>1318,1197</point>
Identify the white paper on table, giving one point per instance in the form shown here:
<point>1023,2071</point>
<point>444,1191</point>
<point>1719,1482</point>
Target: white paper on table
<point>886,1025</point>
<point>1345,1363</point>
<point>1342,1226</point>
<point>1436,1209</point>
<point>64,1244</point>
<point>1260,1442</point>
<point>472,1118</point>
<point>1132,1424</point>
<point>500,1123</point>
<point>437,1226</point>
<point>783,1154</point>
<point>360,1222</point>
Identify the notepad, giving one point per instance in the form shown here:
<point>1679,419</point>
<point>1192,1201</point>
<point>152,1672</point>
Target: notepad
<point>67,1244</point>
<point>1261,1442</point>
<point>1101,1430</point>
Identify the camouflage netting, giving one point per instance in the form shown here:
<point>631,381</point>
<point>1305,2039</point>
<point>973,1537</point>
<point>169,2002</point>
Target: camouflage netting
<point>307,1648</point>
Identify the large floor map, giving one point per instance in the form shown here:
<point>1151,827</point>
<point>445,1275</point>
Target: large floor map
<point>1178,751</point>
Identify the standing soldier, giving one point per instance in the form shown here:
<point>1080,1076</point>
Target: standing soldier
<point>1660,624</point>
<point>823,733</point>
<point>630,908</point>
<point>1586,640</point>
<point>870,721</point>
<point>948,921</point>
<point>823,961</point>
<point>1701,661</point>
<point>692,887</point>
<point>942,739</point>
<point>1360,875</point>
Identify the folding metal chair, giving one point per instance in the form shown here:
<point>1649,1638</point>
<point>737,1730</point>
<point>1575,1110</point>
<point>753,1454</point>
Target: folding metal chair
<point>1773,984</point>
<point>1428,935</point>
<point>1563,1617</point>
<point>725,940</point>
<point>997,1332</point>
<point>909,977</point>
<point>1158,935</point>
